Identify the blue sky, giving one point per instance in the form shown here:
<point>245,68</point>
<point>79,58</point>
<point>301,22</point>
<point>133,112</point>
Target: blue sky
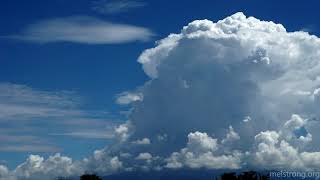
<point>88,74</point>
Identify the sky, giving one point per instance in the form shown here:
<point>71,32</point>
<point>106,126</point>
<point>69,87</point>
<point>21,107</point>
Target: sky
<point>70,80</point>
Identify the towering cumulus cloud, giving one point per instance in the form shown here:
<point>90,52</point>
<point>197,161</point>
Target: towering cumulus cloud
<point>238,93</point>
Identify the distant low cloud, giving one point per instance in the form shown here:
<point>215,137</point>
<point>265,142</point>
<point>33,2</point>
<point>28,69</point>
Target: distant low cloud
<point>82,29</point>
<point>144,156</point>
<point>120,6</point>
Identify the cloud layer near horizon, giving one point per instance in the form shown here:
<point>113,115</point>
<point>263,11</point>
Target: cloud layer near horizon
<point>239,93</point>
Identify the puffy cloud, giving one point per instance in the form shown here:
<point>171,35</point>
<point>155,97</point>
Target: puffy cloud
<point>231,136</point>
<point>279,150</point>
<point>295,131</point>
<point>235,68</point>
<point>115,163</point>
<point>122,131</point>
<point>82,29</point>
<point>35,167</point>
<point>101,162</point>
<point>202,151</point>
<point>241,72</point>
<point>144,156</point>
<point>272,154</point>
<point>201,142</point>
<point>3,170</point>
<point>5,174</point>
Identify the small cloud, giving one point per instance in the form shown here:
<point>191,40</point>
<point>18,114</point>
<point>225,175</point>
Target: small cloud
<point>116,6</point>
<point>144,156</point>
<point>246,119</point>
<point>128,97</point>
<point>82,29</point>
<point>144,141</point>
<point>231,136</point>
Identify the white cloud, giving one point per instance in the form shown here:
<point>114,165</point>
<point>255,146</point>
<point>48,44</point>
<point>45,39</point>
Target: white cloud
<point>237,67</point>
<point>144,141</point>
<point>144,156</point>
<point>36,168</point>
<point>116,6</point>
<point>115,163</point>
<point>5,173</point>
<point>199,142</point>
<point>101,162</point>
<point>202,152</point>
<point>231,136</point>
<point>82,29</point>
<point>122,131</point>
<point>280,150</point>
<point>246,119</point>
<point>294,130</point>
<point>128,98</point>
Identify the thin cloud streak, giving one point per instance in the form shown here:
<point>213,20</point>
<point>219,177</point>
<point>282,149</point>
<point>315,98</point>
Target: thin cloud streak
<point>119,6</point>
<point>30,148</point>
<point>84,30</point>
<point>87,135</point>
<point>26,143</point>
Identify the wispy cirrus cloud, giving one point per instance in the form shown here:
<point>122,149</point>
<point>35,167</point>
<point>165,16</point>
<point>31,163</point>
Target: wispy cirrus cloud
<point>104,134</point>
<point>20,102</point>
<point>25,143</point>
<point>116,6</point>
<point>29,117</point>
<point>82,29</point>
<point>30,148</point>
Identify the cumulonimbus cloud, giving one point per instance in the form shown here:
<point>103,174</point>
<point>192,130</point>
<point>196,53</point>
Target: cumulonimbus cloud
<point>82,29</point>
<point>238,93</point>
